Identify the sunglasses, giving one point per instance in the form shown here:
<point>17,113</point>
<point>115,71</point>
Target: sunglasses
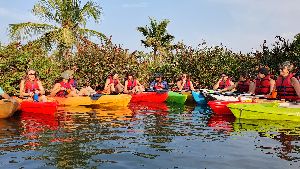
<point>31,74</point>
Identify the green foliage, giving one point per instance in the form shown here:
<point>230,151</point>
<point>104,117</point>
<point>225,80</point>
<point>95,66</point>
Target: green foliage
<point>156,36</point>
<point>16,59</point>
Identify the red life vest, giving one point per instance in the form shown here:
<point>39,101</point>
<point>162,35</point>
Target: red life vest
<point>131,84</point>
<point>31,86</point>
<point>243,86</point>
<point>63,93</point>
<point>223,85</point>
<point>158,87</point>
<point>187,85</point>
<point>262,86</point>
<point>112,81</point>
<point>284,88</point>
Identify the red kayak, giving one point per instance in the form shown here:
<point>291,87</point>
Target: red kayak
<point>220,107</point>
<point>157,97</point>
<point>39,107</point>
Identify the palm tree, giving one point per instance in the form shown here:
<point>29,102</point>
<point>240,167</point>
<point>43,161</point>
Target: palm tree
<point>63,24</point>
<point>156,36</point>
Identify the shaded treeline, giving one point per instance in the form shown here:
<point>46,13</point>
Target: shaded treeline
<point>93,62</point>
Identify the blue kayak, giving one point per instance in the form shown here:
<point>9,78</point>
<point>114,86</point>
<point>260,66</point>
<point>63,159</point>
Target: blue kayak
<point>198,97</point>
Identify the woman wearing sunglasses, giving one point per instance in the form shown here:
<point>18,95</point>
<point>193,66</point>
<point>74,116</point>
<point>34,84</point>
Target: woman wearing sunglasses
<point>31,85</point>
<point>185,83</point>
<point>287,85</point>
<point>224,82</point>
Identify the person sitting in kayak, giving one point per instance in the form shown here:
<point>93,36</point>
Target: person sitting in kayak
<point>185,83</point>
<point>3,95</point>
<point>63,88</point>
<point>132,85</point>
<point>287,85</point>
<point>113,85</point>
<point>243,85</point>
<point>263,83</point>
<point>158,83</point>
<point>224,82</point>
<point>30,84</point>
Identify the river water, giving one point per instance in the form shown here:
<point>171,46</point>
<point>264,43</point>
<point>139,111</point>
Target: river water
<point>146,136</point>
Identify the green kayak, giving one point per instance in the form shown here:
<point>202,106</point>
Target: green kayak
<point>270,111</point>
<point>267,126</point>
<point>174,97</point>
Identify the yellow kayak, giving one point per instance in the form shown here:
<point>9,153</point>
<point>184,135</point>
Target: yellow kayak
<point>8,107</point>
<point>121,100</point>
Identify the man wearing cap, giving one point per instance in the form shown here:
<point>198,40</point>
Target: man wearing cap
<point>158,83</point>
<point>64,88</point>
<point>264,85</point>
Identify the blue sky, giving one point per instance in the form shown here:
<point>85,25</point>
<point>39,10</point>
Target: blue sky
<point>241,25</point>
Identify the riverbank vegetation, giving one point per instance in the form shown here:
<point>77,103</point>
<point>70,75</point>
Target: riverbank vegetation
<point>66,45</point>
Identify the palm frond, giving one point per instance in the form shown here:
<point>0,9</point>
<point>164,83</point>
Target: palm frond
<point>28,29</point>
<point>89,33</point>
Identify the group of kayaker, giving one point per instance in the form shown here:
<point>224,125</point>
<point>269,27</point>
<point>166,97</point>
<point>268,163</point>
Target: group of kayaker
<point>286,86</point>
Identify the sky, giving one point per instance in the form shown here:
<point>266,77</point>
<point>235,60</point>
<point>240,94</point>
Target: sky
<point>240,25</point>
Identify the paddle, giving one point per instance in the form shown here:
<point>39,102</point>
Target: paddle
<point>96,96</point>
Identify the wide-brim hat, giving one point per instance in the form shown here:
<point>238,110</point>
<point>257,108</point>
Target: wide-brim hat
<point>70,72</point>
<point>65,75</point>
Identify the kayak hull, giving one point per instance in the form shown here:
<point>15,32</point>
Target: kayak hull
<point>269,111</point>
<point>149,97</point>
<point>220,107</point>
<point>121,100</point>
<point>8,108</point>
<point>39,107</point>
<point>199,98</point>
<point>174,97</point>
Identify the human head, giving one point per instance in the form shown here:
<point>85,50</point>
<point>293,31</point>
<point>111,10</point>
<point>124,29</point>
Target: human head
<point>31,74</point>
<point>115,76</point>
<point>285,68</point>
<point>65,76</point>
<point>224,76</point>
<point>263,72</point>
<point>130,76</point>
<point>244,76</point>
<point>185,76</point>
<point>158,77</point>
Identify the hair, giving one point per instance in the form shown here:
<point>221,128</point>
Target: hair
<point>245,75</point>
<point>187,76</point>
<point>288,65</point>
<point>26,76</point>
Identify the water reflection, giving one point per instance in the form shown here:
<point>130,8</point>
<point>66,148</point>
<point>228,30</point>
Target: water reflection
<point>143,135</point>
<point>287,133</point>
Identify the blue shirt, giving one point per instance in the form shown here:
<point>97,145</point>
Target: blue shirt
<point>164,83</point>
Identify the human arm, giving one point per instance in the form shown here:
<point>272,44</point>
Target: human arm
<point>56,88</point>
<point>125,88</point>
<point>252,87</point>
<point>180,85</point>
<point>272,85</point>
<point>296,85</point>
<point>192,86</point>
<point>234,85</point>
<point>216,86</point>
<point>106,84</point>
<point>42,90</point>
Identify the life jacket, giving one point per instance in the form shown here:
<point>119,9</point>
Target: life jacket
<point>243,86</point>
<point>262,86</point>
<point>31,86</point>
<point>284,88</point>
<point>158,87</point>
<point>63,93</point>
<point>187,85</point>
<point>131,84</point>
<point>112,81</point>
<point>73,83</point>
<point>223,85</point>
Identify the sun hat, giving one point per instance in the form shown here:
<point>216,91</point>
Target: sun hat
<point>65,75</point>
